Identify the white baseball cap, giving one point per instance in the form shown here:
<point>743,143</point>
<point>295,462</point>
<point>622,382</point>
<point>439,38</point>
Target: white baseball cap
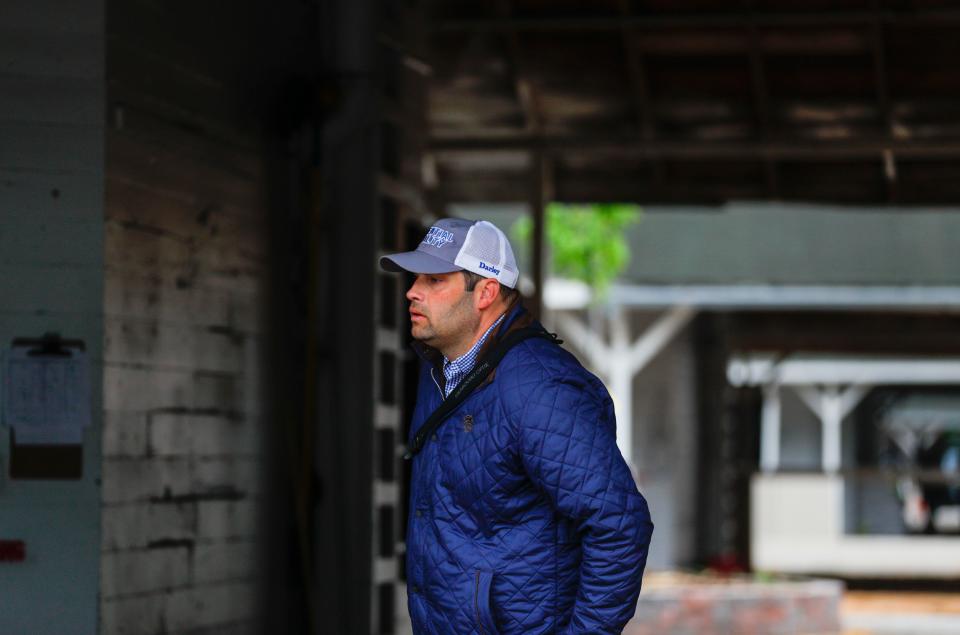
<point>454,244</point>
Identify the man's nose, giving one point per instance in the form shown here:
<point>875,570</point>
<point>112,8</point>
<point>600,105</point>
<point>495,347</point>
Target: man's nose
<point>413,293</point>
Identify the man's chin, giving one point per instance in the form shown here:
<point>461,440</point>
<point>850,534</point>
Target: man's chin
<point>421,335</point>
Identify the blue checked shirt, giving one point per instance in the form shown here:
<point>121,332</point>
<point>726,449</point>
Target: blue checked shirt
<point>455,371</point>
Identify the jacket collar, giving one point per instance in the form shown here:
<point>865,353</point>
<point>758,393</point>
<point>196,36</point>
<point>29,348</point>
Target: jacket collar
<point>516,317</point>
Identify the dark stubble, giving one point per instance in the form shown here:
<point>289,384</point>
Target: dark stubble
<point>448,330</point>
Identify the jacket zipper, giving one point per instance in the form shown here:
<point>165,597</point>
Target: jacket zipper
<point>435,383</point>
<point>476,603</point>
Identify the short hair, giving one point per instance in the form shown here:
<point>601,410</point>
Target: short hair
<point>470,280</point>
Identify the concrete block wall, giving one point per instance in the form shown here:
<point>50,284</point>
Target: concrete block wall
<point>185,266</point>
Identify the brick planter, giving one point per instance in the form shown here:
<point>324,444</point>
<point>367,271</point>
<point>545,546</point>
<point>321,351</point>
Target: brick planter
<point>699,605</point>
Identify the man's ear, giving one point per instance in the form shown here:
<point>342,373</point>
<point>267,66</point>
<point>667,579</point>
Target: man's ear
<point>487,293</point>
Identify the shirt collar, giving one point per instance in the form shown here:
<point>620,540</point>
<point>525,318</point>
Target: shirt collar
<point>455,370</point>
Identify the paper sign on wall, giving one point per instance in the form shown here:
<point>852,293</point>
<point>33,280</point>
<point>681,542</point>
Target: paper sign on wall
<point>46,398</point>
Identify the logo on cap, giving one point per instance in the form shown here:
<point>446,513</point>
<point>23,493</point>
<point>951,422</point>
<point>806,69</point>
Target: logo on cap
<point>489,268</point>
<point>438,237</point>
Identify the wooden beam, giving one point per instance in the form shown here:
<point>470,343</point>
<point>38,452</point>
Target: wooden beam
<point>824,184</point>
<point>702,20</point>
<point>589,190</point>
<point>825,41</point>
<point>541,195</point>
<point>660,149</point>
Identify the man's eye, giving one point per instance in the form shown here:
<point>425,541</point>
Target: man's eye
<point>432,279</point>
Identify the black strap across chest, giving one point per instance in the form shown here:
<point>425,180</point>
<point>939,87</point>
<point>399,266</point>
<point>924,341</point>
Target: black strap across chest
<point>471,381</point>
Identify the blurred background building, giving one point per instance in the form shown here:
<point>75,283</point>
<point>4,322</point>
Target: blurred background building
<point>193,197</point>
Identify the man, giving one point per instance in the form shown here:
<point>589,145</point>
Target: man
<point>524,517</point>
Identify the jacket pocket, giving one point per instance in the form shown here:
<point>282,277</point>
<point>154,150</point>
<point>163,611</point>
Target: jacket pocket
<point>481,603</point>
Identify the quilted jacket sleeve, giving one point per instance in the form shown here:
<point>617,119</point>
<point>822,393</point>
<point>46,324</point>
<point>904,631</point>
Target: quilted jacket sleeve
<point>567,437</point>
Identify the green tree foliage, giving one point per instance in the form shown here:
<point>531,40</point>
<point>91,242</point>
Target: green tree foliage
<point>586,242</point>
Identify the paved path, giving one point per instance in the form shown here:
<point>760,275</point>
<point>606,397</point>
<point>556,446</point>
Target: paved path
<point>904,613</point>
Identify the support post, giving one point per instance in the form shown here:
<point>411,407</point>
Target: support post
<point>541,193</point>
<point>621,389</point>
<point>621,382</point>
<point>831,405</point>
<point>770,429</point>
<point>831,410</point>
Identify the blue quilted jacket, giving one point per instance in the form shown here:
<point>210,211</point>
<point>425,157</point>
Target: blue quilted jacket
<point>524,517</point>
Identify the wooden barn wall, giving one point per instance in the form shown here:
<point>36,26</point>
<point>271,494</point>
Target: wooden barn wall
<point>51,262</point>
<point>186,246</point>
<point>404,209</point>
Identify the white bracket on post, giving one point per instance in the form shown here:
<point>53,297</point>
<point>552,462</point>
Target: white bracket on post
<point>831,405</point>
<point>621,360</point>
<point>831,386</point>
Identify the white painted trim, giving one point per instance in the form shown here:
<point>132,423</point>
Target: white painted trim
<point>761,296</point>
<point>807,370</point>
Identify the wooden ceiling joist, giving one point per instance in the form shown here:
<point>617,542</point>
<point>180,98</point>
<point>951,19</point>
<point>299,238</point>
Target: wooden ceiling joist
<point>762,84</point>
